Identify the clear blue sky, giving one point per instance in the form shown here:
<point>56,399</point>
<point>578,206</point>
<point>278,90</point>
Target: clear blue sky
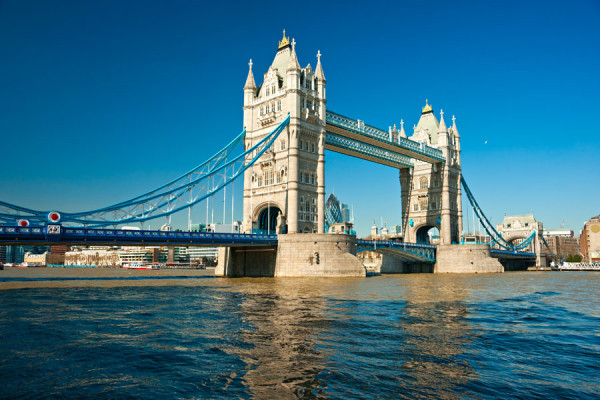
<point>103,100</point>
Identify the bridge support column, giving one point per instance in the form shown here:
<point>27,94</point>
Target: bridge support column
<point>321,184</point>
<point>446,231</point>
<point>468,258</point>
<point>318,255</point>
<point>292,215</point>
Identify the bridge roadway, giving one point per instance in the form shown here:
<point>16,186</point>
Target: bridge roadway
<point>57,234</point>
<point>13,235</point>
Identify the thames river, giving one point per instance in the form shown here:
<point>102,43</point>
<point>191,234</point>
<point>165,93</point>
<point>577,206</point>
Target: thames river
<point>103,334</point>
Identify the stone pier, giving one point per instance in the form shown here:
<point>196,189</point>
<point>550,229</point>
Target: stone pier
<point>467,258</point>
<point>319,255</point>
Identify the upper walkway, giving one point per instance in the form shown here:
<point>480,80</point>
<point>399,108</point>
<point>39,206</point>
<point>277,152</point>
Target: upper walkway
<point>355,138</point>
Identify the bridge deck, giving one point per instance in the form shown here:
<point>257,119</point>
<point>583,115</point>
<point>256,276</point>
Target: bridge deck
<point>10,235</point>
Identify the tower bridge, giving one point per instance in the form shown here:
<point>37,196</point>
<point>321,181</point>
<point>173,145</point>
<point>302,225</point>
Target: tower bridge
<point>287,128</point>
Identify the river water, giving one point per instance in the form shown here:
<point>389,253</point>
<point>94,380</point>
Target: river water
<point>156,335</point>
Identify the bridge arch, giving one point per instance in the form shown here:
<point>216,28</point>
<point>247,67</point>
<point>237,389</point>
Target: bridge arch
<point>267,215</point>
<point>423,231</point>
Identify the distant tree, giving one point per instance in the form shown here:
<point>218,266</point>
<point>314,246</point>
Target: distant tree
<point>577,258</point>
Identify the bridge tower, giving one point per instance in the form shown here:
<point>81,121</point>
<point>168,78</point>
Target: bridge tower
<point>284,192</point>
<point>431,194</point>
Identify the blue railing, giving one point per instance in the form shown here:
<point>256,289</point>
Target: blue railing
<point>67,234</point>
<point>353,125</point>
<point>425,252</point>
<point>368,150</point>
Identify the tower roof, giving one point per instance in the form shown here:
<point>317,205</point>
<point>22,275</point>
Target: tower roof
<point>429,123</point>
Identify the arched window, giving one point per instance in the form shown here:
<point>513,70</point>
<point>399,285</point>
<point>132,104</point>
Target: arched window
<point>423,183</point>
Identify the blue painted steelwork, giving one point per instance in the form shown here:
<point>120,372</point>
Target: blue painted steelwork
<point>489,228</point>
<point>72,235</point>
<point>397,160</point>
<point>340,121</point>
<point>512,253</point>
<point>177,195</point>
<point>414,251</point>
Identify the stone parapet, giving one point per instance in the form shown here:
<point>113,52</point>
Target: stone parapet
<point>317,255</point>
<point>468,258</point>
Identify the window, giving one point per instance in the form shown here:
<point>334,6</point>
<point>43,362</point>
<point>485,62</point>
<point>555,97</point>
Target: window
<point>267,93</point>
<point>282,146</point>
<point>273,89</point>
<point>278,105</point>
<point>312,147</point>
<point>301,145</point>
<point>312,179</point>
<point>415,207</point>
<point>259,181</point>
<point>423,183</point>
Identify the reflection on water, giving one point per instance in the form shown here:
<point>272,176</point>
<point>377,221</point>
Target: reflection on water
<point>409,336</point>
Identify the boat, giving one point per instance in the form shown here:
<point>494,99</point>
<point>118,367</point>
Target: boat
<point>580,266</point>
<point>141,266</point>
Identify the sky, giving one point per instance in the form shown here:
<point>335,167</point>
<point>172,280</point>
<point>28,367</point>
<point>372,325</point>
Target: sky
<point>103,100</point>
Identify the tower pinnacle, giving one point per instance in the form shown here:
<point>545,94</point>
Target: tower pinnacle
<point>319,71</point>
<point>250,84</point>
<point>284,42</point>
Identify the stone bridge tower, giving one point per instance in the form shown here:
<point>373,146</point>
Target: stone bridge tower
<point>516,229</point>
<point>284,191</point>
<point>431,193</point>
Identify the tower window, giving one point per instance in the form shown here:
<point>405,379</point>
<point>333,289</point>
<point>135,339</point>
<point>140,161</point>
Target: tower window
<point>423,183</point>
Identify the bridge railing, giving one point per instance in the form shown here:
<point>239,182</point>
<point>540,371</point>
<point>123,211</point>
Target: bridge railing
<point>78,233</point>
<point>512,252</point>
<point>381,135</point>
<point>392,243</point>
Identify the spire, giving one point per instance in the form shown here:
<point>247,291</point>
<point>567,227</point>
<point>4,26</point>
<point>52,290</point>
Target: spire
<point>402,133</point>
<point>442,127</point>
<point>250,80</point>
<point>319,71</point>
<point>454,129</point>
<point>293,64</point>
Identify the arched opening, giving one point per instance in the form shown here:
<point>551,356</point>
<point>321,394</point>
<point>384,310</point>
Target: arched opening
<point>428,234</point>
<point>267,220</point>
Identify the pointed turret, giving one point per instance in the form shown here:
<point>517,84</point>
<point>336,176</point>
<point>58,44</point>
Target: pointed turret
<point>250,84</point>
<point>454,128</point>
<point>442,128</point>
<point>402,133</point>
<point>293,65</point>
<point>319,71</point>
<point>443,137</point>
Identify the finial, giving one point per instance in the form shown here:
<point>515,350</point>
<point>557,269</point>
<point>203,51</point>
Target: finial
<point>293,44</point>
<point>402,123</point>
<point>285,41</point>
<point>442,113</point>
<point>250,64</point>
<point>453,119</point>
<point>394,127</point>
<point>427,107</point>
<point>319,55</point>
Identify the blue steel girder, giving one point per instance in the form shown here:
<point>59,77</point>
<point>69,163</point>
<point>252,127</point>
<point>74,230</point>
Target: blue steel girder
<point>72,235</point>
<point>180,194</point>
<point>414,252</point>
<point>357,130</point>
<point>355,148</point>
